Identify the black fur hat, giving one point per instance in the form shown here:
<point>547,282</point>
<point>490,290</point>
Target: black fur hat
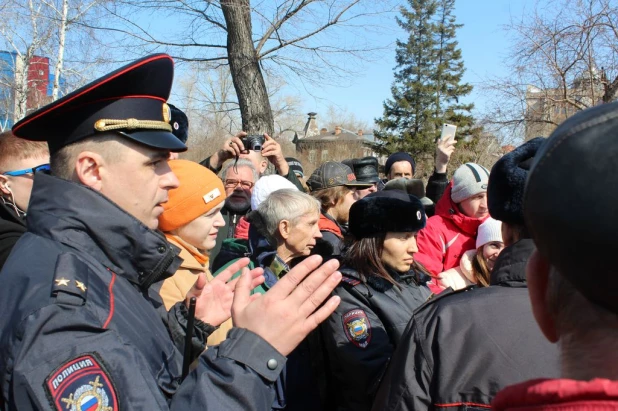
<point>507,180</point>
<point>386,211</point>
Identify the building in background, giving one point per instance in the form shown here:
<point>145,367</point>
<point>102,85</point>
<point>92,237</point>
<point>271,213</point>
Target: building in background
<point>546,108</point>
<point>25,86</point>
<point>315,146</point>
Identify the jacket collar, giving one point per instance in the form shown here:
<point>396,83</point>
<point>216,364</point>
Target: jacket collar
<point>510,267</point>
<point>191,258</point>
<point>328,223</point>
<point>447,209</point>
<point>90,223</point>
<point>558,394</point>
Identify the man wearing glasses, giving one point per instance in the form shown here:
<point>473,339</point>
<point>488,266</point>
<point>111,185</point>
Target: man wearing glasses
<point>238,177</point>
<point>19,160</point>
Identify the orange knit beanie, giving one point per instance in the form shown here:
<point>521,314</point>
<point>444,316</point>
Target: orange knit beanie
<point>199,192</point>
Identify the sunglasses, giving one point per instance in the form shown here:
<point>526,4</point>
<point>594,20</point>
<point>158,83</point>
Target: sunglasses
<point>33,170</point>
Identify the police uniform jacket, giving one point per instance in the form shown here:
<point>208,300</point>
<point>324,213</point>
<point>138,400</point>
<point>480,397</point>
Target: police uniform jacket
<point>364,330</point>
<point>79,331</point>
<point>462,347</point>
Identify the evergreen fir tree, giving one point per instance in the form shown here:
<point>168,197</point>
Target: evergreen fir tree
<point>427,86</point>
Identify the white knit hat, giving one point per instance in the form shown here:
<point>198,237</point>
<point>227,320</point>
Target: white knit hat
<point>469,179</point>
<point>490,230</point>
<point>266,185</point>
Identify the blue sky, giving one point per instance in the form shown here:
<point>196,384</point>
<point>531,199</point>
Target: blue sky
<point>482,39</point>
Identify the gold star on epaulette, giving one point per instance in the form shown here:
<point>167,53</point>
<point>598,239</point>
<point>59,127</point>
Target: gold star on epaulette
<point>80,285</point>
<point>62,281</point>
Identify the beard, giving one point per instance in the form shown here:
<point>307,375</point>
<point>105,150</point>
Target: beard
<point>238,204</point>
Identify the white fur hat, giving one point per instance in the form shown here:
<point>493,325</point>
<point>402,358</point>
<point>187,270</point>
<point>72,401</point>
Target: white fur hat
<point>490,230</point>
<point>266,185</point>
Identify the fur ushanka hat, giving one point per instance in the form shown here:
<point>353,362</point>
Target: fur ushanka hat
<point>386,211</point>
<point>505,192</point>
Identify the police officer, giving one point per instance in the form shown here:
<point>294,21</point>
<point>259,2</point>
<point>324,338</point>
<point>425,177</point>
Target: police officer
<point>78,329</point>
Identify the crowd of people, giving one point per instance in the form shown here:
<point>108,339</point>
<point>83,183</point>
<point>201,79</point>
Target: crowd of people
<point>132,279</point>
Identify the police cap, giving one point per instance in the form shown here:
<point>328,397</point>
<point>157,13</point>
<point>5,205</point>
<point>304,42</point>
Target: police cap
<point>130,101</point>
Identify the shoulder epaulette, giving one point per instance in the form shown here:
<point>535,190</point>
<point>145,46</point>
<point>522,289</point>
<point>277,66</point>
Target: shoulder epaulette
<point>70,283</point>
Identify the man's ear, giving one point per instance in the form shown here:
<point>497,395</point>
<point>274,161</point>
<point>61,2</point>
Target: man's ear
<point>537,275</point>
<point>284,229</point>
<point>263,165</point>
<point>4,184</point>
<point>88,168</point>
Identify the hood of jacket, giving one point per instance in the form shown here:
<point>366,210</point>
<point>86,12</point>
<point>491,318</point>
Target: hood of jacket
<point>510,267</point>
<point>447,209</point>
<point>87,221</point>
<point>558,394</point>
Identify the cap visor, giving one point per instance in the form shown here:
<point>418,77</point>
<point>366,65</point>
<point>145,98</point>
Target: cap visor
<point>164,140</point>
<point>369,180</point>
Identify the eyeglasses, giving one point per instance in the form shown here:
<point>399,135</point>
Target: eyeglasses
<point>33,170</point>
<point>248,185</point>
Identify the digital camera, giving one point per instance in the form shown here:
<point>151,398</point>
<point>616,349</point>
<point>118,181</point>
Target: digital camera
<point>253,142</point>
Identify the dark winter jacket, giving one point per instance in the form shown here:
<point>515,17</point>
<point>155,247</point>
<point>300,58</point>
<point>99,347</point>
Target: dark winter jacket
<point>362,333</point>
<point>462,347</point>
<point>332,232</point>
<point>231,220</point>
<point>11,228</point>
<point>79,325</point>
<point>435,189</point>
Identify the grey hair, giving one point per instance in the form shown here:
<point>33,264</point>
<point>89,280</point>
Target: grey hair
<point>285,204</point>
<point>242,162</point>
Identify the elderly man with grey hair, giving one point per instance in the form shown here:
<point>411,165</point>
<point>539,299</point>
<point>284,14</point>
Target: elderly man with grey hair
<point>239,178</point>
<point>284,229</point>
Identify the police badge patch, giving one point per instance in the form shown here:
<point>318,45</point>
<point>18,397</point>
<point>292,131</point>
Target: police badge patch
<point>82,384</point>
<point>357,327</point>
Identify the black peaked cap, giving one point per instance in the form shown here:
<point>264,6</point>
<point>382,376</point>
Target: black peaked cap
<point>386,211</point>
<point>570,202</point>
<point>133,94</point>
<point>505,190</point>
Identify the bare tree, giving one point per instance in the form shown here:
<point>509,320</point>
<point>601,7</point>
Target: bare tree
<point>35,35</point>
<point>300,39</point>
<point>564,58</point>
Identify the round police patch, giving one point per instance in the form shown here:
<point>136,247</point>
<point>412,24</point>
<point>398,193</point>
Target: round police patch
<point>357,327</point>
<point>82,384</point>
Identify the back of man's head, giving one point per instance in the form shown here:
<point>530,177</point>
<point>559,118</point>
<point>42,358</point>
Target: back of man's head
<point>573,221</point>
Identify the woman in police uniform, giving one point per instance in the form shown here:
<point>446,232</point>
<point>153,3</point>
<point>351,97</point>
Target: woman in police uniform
<point>382,285</point>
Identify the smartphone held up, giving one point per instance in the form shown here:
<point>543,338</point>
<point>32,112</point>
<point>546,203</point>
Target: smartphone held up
<point>448,132</point>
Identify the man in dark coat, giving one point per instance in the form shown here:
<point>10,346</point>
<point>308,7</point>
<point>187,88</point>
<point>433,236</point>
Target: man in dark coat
<point>461,348</point>
<point>81,327</point>
<point>572,274</point>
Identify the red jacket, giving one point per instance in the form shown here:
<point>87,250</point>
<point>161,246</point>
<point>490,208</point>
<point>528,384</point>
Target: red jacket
<point>558,395</point>
<point>447,236</point>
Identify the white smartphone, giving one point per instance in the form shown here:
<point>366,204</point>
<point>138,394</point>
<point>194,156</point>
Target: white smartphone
<point>448,132</point>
